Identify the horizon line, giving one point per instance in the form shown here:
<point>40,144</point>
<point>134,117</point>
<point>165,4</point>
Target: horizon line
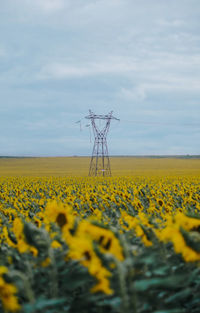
<point>113,155</point>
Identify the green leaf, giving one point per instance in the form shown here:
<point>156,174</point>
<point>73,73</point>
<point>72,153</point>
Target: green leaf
<point>171,311</point>
<point>37,237</point>
<point>192,239</point>
<point>183,294</point>
<point>165,283</point>
<point>43,303</point>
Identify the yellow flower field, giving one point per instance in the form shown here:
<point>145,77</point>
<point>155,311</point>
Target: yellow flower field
<point>72,243</point>
<point>78,166</point>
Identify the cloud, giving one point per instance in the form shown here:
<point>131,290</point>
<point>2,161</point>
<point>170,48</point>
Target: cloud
<point>61,12</point>
<point>141,91</point>
<point>46,124</point>
<point>140,58</point>
<point>171,23</point>
<point>3,52</point>
<point>110,65</point>
<point>149,62</point>
<point>135,93</point>
<point>47,6</point>
<point>161,72</point>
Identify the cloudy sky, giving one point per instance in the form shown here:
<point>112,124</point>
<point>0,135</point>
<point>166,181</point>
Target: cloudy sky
<point>60,58</point>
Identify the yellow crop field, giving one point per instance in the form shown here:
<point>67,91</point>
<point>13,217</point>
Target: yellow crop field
<point>78,166</point>
<point>121,244</point>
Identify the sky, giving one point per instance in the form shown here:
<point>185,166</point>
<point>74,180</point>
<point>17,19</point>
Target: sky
<point>137,58</point>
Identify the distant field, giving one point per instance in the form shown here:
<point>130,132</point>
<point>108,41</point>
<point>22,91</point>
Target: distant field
<point>78,166</point>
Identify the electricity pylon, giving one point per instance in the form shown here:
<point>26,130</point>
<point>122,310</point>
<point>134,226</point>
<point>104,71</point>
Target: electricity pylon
<point>100,162</point>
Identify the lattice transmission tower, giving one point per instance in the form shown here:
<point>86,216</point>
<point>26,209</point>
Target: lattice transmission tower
<point>100,162</point>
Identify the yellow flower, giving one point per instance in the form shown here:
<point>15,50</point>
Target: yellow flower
<point>134,223</point>
<point>46,262</point>
<point>102,286</point>
<point>3,270</point>
<point>7,293</point>
<point>104,237</point>
<point>172,233</point>
<point>55,244</point>
<point>81,249</point>
<point>60,214</point>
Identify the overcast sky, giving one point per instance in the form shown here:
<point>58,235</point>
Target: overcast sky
<point>60,58</point>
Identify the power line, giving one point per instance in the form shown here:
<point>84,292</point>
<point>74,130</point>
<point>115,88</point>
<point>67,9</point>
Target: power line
<point>139,122</point>
<point>160,123</point>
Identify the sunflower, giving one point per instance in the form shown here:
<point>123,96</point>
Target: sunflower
<point>8,293</point>
<point>172,232</point>
<point>81,249</point>
<point>61,215</point>
<point>103,237</point>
